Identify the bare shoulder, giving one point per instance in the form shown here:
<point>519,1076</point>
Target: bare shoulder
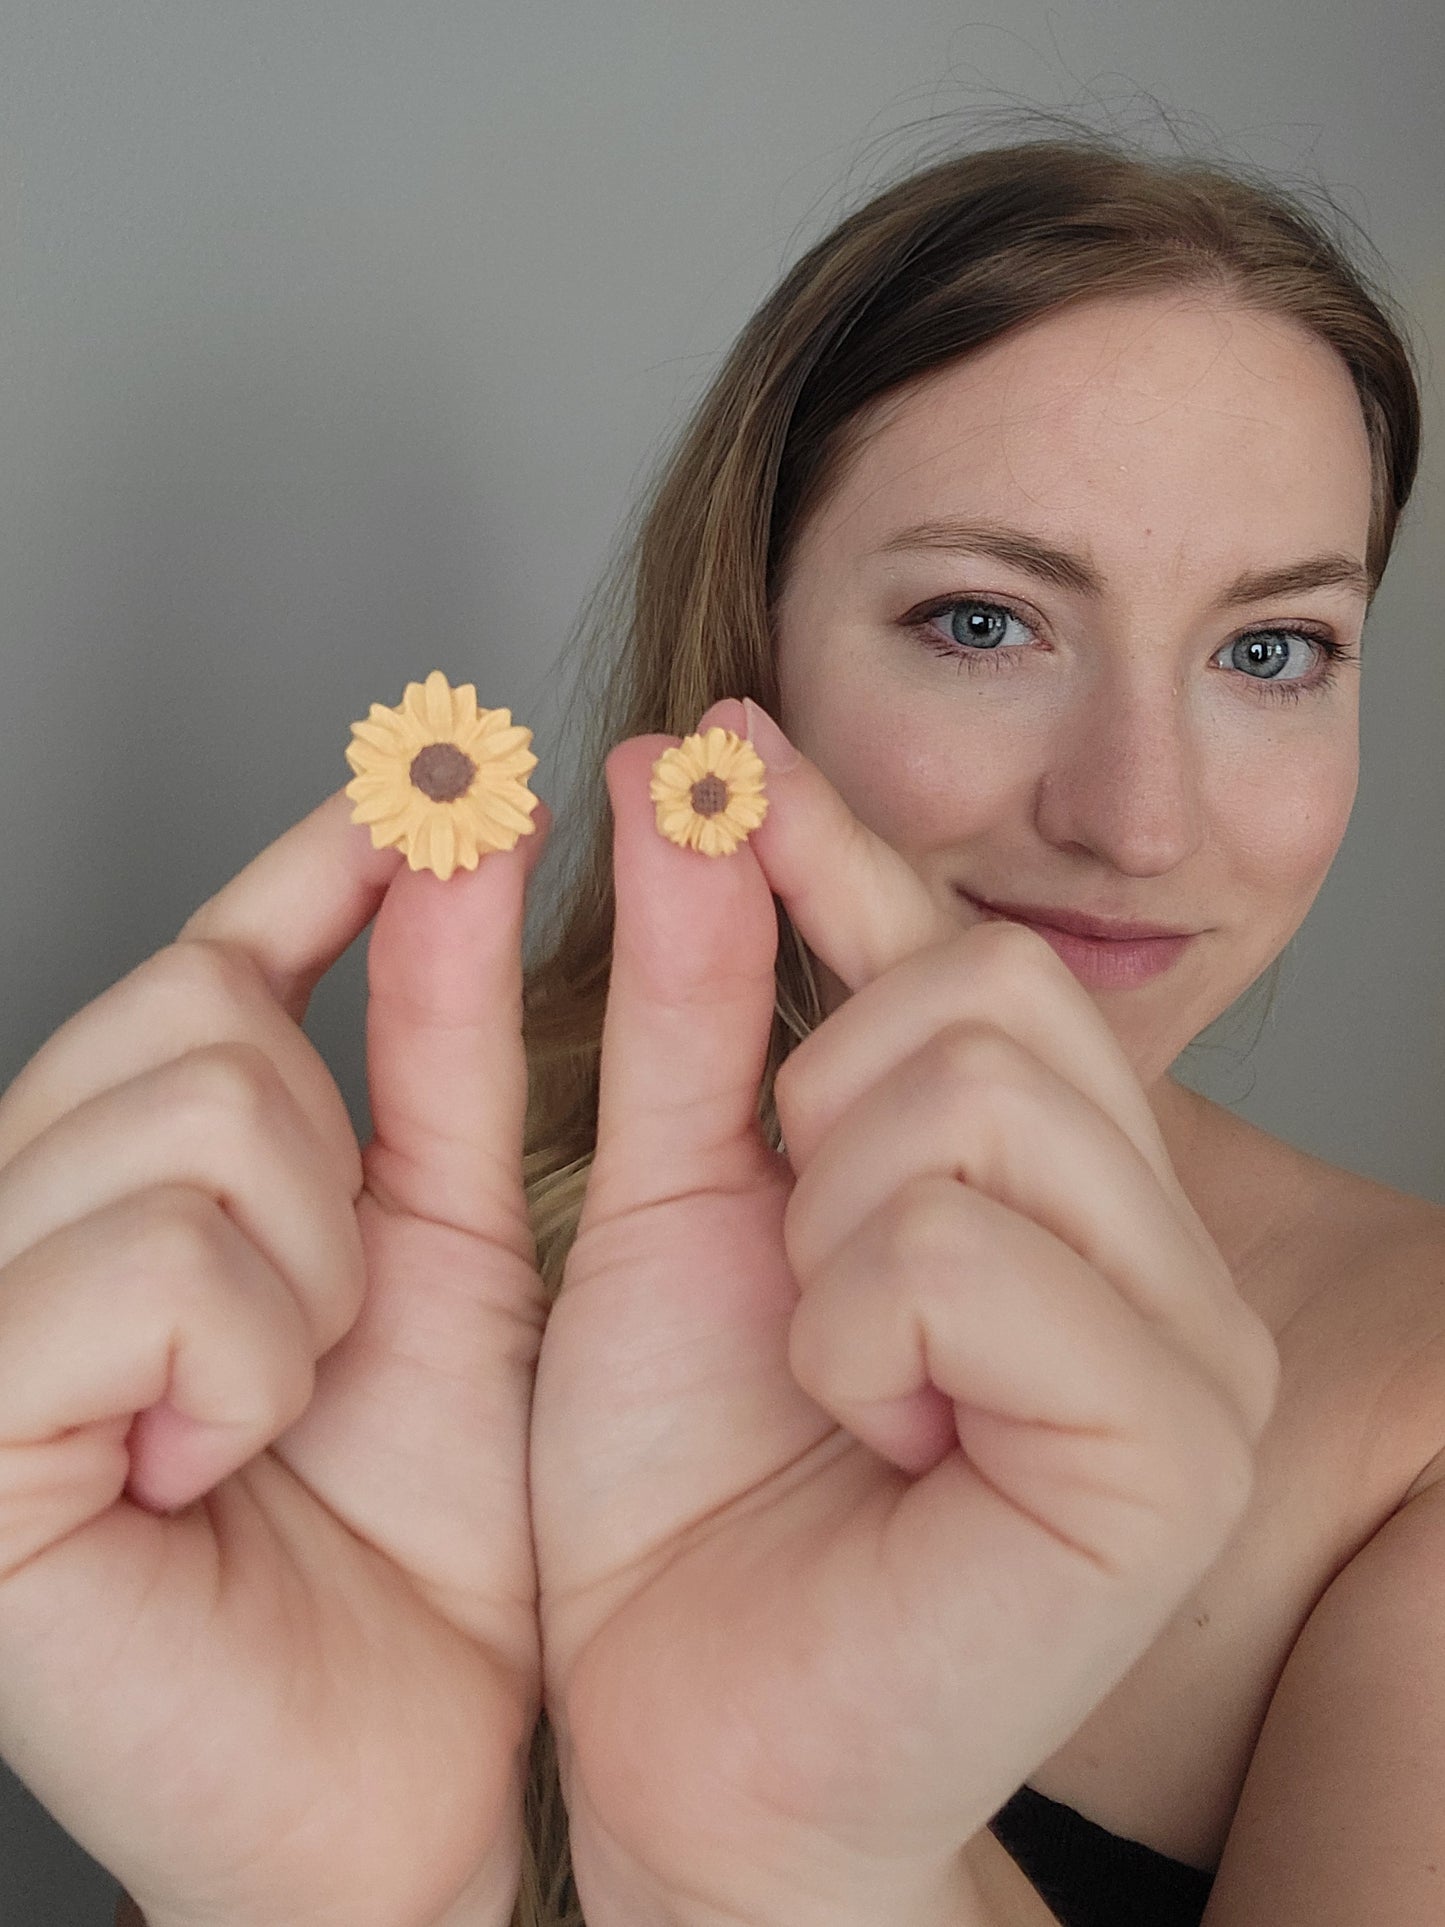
<point>1388,1280</point>
<point>1414,1263</point>
<point>1382,1233</point>
<point>1349,1275</point>
<point>1298,1228</point>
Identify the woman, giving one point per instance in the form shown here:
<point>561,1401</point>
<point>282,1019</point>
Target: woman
<point>269,1646</point>
<point>1042,504</point>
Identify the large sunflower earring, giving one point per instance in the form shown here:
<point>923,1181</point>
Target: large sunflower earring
<point>441,779</point>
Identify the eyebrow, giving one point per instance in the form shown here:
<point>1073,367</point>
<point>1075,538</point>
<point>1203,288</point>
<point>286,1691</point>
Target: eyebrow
<point>1066,570</point>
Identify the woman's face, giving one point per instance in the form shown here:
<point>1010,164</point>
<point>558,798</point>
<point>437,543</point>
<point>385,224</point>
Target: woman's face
<point>1111,731</point>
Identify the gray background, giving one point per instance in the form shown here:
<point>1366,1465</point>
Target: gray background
<point>336,340</point>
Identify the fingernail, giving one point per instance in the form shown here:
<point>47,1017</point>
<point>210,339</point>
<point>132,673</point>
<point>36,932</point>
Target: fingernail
<point>725,713</point>
<point>768,740</point>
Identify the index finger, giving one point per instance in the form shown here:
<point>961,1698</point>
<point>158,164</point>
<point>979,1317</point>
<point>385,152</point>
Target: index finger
<point>298,905</point>
<point>855,902</point>
<point>284,919</point>
<point>863,911</point>
<point>264,940</point>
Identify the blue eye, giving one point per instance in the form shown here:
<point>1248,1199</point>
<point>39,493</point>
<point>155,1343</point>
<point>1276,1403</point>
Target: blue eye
<point>1267,649</point>
<point>978,623</point>
<point>976,643</point>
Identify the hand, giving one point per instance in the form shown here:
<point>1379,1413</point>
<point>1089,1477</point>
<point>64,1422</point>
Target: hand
<point>268,1642</point>
<point>861,1472</point>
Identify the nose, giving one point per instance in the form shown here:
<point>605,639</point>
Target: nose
<point>1122,780</point>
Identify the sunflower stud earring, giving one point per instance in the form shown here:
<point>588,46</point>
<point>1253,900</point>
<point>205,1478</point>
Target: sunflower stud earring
<point>441,779</point>
<point>709,792</point>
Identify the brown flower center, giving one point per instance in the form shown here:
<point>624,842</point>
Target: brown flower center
<point>709,795</point>
<point>442,772</point>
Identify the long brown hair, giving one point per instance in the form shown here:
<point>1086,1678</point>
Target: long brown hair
<point>942,262</point>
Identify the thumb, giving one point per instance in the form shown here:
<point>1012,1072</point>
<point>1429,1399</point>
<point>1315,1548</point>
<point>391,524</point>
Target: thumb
<point>446,1066</point>
<point>689,1003</point>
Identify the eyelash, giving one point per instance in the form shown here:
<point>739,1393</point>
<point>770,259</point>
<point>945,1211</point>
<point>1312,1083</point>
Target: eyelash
<point>1290,690</point>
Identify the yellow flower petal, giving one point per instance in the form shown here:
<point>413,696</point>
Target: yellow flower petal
<point>746,812</point>
<point>445,809</point>
<point>441,846</point>
<point>506,813</point>
<point>732,760</point>
<point>374,809</point>
<point>496,743</point>
<point>382,736</point>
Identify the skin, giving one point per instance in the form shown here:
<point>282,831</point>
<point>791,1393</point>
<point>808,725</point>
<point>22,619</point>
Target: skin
<point>855,1486</point>
<point>268,1625</point>
<point>1122,764</point>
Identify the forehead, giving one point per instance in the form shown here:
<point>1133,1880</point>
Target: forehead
<point>1170,419</point>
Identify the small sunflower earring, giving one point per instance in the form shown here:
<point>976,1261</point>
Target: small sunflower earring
<point>709,792</point>
<point>441,779</point>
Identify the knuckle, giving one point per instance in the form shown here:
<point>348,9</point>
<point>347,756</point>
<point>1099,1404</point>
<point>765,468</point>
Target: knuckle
<point>1008,947</point>
<point>1235,1474</point>
<point>976,1052</point>
<point>1261,1376</point>
<point>812,1343</point>
<point>210,978</point>
<point>178,1232</point>
<point>919,1225</point>
<point>1215,1476</point>
<point>293,1391</point>
<point>792,1082</point>
<point>348,1252</point>
<point>1021,965</point>
<point>969,1059</point>
<point>787,1077</point>
<point>232,1079</point>
<point>205,970</point>
<point>1222,1277</point>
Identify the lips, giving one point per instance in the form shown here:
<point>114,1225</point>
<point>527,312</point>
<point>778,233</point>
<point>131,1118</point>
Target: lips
<point>1100,963</point>
<point>1076,924</point>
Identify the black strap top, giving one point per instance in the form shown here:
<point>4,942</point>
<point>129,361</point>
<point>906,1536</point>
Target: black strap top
<point>1093,1878</point>
<point>1088,1876</point>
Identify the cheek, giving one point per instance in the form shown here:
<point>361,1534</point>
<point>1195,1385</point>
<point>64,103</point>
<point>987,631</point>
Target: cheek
<point>915,774</point>
<point>1285,824</point>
